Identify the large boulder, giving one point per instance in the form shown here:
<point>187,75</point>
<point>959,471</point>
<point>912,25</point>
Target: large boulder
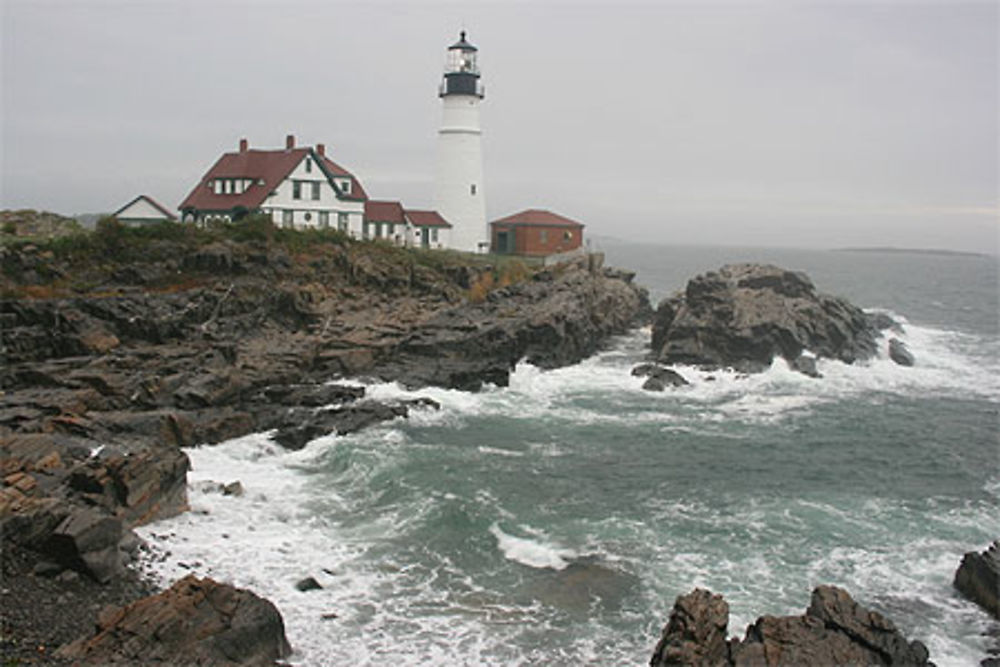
<point>978,578</point>
<point>194,622</point>
<point>835,630</point>
<point>744,315</point>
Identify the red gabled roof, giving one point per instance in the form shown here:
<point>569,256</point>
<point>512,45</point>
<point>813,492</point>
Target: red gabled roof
<point>537,217</point>
<point>271,167</point>
<point>152,202</point>
<point>384,211</point>
<point>357,192</point>
<point>426,219</point>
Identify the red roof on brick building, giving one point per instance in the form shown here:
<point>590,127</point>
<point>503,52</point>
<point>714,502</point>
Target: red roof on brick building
<point>384,211</point>
<point>266,169</point>
<point>537,217</point>
<point>426,219</point>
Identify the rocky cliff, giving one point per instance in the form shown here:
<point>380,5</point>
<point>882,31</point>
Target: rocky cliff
<point>122,346</point>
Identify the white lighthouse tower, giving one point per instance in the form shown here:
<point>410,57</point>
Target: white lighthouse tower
<point>459,195</point>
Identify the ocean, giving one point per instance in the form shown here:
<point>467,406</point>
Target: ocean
<point>556,520</point>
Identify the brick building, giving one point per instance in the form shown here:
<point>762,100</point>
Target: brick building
<point>535,232</point>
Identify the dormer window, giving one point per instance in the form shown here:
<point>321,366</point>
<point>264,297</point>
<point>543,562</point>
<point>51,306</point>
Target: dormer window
<point>345,186</point>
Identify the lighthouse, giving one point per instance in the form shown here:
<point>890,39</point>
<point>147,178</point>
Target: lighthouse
<point>459,195</point>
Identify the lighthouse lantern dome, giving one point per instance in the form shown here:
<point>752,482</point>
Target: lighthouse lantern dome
<point>461,70</point>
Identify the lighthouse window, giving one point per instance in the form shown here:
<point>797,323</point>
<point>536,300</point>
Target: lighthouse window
<point>472,189</point>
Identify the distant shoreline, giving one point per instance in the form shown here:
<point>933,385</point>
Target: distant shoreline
<point>916,251</point>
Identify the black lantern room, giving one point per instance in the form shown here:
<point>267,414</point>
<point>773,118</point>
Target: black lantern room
<point>461,73</point>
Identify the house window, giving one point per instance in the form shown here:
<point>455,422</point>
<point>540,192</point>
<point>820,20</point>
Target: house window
<point>434,235</point>
<point>296,189</point>
<point>217,184</point>
<point>309,166</point>
<point>308,216</point>
<point>342,222</point>
<point>568,235</point>
<point>324,219</point>
<point>287,219</point>
<point>543,236</point>
<point>315,190</point>
<point>388,229</point>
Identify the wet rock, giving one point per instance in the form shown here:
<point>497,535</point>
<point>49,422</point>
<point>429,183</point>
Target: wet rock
<point>806,365</point>
<point>695,633</point>
<point>195,621</point>
<point>744,315</point>
<point>308,584</point>
<point>835,630</point>
<point>659,378</point>
<point>584,583</point>
<point>297,427</point>
<point>233,489</point>
<point>900,353</point>
<point>978,578</point>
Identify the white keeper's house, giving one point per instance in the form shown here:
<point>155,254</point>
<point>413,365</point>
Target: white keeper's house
<point>296,187</point>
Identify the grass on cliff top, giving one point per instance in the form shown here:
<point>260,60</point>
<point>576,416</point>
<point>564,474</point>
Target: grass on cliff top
<point>113,243</point>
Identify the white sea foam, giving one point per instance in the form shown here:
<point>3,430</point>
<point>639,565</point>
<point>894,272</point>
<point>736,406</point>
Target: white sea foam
<point>534,552</point>
<point>316,513</point>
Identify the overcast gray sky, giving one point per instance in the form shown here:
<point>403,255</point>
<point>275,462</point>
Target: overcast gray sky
<point>763,123</point>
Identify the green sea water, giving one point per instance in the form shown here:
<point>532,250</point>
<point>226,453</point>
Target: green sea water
<point>555,521</point>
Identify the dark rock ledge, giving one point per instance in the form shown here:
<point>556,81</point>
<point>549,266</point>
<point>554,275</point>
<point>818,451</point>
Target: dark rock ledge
<point>835,630</point>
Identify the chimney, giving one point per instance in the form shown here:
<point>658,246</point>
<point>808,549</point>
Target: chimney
<point>289,142</point>
<point>243,145</point>
<point>321,150</point>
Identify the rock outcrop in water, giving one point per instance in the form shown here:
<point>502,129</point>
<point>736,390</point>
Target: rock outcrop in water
<point>835,630</point>
<point>978,578</point>
<point>744,315</point>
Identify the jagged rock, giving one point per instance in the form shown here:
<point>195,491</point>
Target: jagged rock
<point>744,315</point>
<point>900,353</point>
<point>298,426</point>
<point>195,621</point>
<point>315,395</point>
<point>87,541</point>
<point>556,319</point>
<point>978,578</point>
<point>835,630</point>
<point>695,633</point>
